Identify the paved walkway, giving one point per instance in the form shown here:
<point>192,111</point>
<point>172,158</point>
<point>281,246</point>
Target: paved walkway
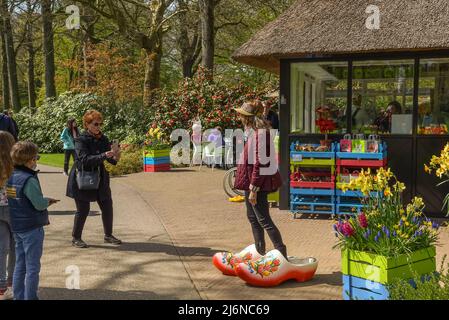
<point>172,223</point>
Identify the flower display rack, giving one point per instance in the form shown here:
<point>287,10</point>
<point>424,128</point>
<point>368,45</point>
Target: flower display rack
<point>316,195</point>
<point>351,202</point>
<point>156,160</point>
<point>366,276</point>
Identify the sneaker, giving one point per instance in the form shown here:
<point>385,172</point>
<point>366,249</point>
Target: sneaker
<point>78,243</point>
<point>112,239</point>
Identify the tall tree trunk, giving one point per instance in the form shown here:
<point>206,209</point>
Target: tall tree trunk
<point>190,50</point>
<point>31,58</point>
<point>49,54</point>
<point>208,33</point>
<point>90,78</point>
<point>152,74</point>
<point>11,57</point>
<point>5,78</point>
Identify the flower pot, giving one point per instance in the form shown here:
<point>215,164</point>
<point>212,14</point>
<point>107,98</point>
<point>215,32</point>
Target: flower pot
<point>367,275</point>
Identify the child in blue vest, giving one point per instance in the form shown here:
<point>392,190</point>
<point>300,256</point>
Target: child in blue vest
<point>28,214</point>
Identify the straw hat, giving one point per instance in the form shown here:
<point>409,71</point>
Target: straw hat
<point>250,109</point>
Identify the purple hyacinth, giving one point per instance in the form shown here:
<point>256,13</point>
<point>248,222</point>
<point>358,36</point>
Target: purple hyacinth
<point>394,234</point>
<point>435,225</point>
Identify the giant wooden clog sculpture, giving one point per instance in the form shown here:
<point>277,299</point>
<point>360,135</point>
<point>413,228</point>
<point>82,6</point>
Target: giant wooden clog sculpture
<point>227,261</point>
<point>273,269</point>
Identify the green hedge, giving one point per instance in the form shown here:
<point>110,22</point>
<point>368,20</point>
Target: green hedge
<point>126,122</point>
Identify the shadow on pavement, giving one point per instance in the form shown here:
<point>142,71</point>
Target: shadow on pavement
<point>334,279</point>
<point>99,294</point>
<point>71,213</point>
<point>147,247</point>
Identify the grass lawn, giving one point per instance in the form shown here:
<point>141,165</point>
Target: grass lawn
<point>53,160</point>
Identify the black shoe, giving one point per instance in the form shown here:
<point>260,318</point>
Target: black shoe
<point>78,243</point>
<point>112,239</point>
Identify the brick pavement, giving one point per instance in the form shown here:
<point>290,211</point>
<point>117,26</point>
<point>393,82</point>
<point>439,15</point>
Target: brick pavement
<point>200,222</point>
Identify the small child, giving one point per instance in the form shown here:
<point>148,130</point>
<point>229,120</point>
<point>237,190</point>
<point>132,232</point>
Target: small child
<point>7,256</point>
<point>29,215</point>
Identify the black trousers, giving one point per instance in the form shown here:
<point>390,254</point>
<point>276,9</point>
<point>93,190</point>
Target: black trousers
<point>67,154</point>
<point>260,220</point>
<point>82,211</point>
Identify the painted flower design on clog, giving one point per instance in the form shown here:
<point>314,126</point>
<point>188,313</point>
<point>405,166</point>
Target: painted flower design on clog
<point>226,262</point>
<point>265,266</point>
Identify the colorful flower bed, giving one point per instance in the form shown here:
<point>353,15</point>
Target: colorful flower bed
<point>388,231</point>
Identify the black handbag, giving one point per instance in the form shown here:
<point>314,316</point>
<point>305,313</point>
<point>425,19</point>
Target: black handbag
<point>88,180</point>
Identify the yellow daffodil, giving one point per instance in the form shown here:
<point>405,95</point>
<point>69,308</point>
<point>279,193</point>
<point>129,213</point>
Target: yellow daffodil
<point>427,169</point>
<point>387,192</point>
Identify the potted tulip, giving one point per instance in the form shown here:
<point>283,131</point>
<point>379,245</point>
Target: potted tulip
<point>387,242</point>
<point>156,151</point>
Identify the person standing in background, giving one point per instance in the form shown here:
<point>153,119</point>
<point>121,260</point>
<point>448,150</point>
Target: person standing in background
<point>10,114</point>
<point>271,116</point>
<point>68,136</point>
<point>7,124</point>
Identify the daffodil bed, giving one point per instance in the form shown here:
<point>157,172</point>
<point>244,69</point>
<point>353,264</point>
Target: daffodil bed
<point>441,166</point>
<point>386,227</point>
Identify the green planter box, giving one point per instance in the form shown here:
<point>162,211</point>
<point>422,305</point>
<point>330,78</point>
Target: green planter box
<point>156,153</point>
<point>384,270</point>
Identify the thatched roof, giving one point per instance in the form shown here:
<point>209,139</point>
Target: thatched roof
<point>339,27</point>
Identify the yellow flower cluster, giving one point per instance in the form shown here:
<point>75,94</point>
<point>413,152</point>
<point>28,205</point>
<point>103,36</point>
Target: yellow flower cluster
<point>439,164</point>
<point>156,133</point>
<point>367,182</point>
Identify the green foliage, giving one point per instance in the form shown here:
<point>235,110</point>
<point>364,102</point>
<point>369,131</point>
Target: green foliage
<point>126,122</point>
<point>435,287</point>
<point>45,126</point>
<point>130,162</point>
<point>213,101</point>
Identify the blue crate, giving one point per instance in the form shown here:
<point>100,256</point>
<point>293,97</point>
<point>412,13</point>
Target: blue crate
<point>355,288</point>
<point>382,154</point>
<point>318,155</point>
<point>312,207</point>
<point>356,194</point>
<point>346,208</point>
<point>313,192</point>
<point>153,161</point>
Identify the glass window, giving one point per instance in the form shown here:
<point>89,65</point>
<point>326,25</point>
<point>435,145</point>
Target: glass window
<point>433,100</point>
<point>383,97</point>
<point>319,97</point>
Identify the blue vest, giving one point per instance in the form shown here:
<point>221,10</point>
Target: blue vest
<point>24,217</point>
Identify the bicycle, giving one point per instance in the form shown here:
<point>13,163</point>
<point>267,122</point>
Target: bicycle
<point>228,184</point>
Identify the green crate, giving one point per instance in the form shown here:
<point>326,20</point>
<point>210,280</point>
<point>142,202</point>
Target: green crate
<point>384,269</point>
<point>156,153</point>
<point>273,197</point>
<point>312,162</point>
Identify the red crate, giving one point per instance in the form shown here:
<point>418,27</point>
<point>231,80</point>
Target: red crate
<point>362,163</point>
<point>156,168</point>
<point>312,185</point>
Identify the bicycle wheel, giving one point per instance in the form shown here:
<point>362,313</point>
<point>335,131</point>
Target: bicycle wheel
<point>228,184</point>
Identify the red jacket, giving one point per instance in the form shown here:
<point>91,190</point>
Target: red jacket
<point>249,172</point>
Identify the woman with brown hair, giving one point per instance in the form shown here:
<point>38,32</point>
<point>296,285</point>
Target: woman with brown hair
<point>92,148</point>
<point>7,252</point>
<point>257,179</point>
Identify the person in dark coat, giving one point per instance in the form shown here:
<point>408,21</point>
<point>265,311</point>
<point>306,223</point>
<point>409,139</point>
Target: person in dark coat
<point>251,177</point>
<point>92,148</point>
<point>7,124</point>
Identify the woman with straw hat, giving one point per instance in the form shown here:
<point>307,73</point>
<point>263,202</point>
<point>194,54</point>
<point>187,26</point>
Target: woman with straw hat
<point>256,179</point>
